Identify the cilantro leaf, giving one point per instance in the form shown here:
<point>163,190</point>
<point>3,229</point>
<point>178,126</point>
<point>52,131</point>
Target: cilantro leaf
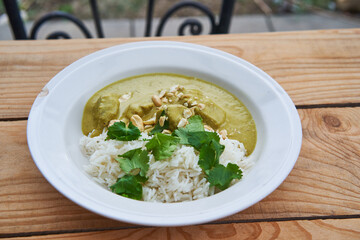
<point>129,186</point>
<point>209,155</point>
<point>134,161</point>
<point>199,139</point>
<point>162,146</point>
<point>207,158</point>
<point>194,134</point>
<point>182,135</point>
<point>121,132</point>
<point>218,148</point>
<point>221,176</point>
<point>194,125</point>
<point>158,128</point>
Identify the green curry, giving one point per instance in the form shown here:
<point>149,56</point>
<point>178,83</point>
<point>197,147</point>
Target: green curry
<point>178,95</point>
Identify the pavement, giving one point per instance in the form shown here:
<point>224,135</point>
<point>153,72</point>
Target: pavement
<point>114,28</point>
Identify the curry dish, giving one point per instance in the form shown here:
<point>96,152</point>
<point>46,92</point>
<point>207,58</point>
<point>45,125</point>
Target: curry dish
<point>133,99</point>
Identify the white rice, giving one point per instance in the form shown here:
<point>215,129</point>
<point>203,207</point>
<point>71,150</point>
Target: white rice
<point>176,179</point>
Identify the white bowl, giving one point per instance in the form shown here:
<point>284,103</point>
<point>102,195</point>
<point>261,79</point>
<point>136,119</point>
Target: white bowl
<point>54,129</point>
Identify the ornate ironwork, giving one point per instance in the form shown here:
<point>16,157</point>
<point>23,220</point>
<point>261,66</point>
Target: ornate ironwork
<point>58,35</point>
<point>19,31</point>
<point>226,13</point>
<point>97,20</point>
<point>17,24</point>
<point>194,25</point>
<point>149,17</point>
<point>59,15</point>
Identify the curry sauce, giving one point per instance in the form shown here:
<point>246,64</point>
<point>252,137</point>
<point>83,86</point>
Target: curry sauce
<point>121,100</point>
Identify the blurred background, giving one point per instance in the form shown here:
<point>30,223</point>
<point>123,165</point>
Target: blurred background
<point>127,18</point>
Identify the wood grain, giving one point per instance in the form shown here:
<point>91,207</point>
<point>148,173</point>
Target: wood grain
<point>324,182</point>
<point>314,229</point>
<point>314,67</point>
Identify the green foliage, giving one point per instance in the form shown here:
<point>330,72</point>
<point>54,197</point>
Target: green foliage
<point>210,154</point>
<point>194,134</point>
<point>158,128</point>
<point>66,7</point>
<point>121,132</point>
<point>129,186</point>
<point>194,126</point>
<point>208,144</point>
<point>305,5</point>
<point>162,146</point>
<point>221,176</point>
<point>133,161</point>
<point>2,8</point>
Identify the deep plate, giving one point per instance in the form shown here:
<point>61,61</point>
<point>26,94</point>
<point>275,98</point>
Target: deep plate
<point>54,129</point>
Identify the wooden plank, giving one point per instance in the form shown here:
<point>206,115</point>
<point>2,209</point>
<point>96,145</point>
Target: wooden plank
<point>324,182</point>
<point>305,229</point>
<point>314,67</point>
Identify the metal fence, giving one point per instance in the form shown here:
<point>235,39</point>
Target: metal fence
<point>216,26</point>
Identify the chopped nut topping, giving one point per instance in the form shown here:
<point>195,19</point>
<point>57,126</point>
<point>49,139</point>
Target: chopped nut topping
<point>150,121</point>
<point>207,127</point>
<point>182,122</point>
<point>223,134</point>
<point>187,113</point>
<point>201,106</point>
<point>162,93</point>
<point>156,100</point>
<point>194,103</point>
<point>165,131</point>
<point>162,121</point>
<point>138,122</point>
<point>174,88</point>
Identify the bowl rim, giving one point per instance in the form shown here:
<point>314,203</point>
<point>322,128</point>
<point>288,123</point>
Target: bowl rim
<point>36,114</point>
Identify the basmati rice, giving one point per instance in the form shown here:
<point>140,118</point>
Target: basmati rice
<point>176,179</point>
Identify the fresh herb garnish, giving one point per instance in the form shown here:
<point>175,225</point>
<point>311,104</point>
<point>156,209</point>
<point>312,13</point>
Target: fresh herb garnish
<point>194,125</point>
<point>221,176</point>
<point>121,132</point>
<point>129,186</point>
<point>134,162</point>
<point>162,146</point>
<point>200,139</point>
<point>194,134</point>
<point>158,128</point>
<point>209,155</point>
<point>208,144</point>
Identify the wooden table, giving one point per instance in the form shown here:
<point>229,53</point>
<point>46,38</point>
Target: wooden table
<point>320,70</point>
